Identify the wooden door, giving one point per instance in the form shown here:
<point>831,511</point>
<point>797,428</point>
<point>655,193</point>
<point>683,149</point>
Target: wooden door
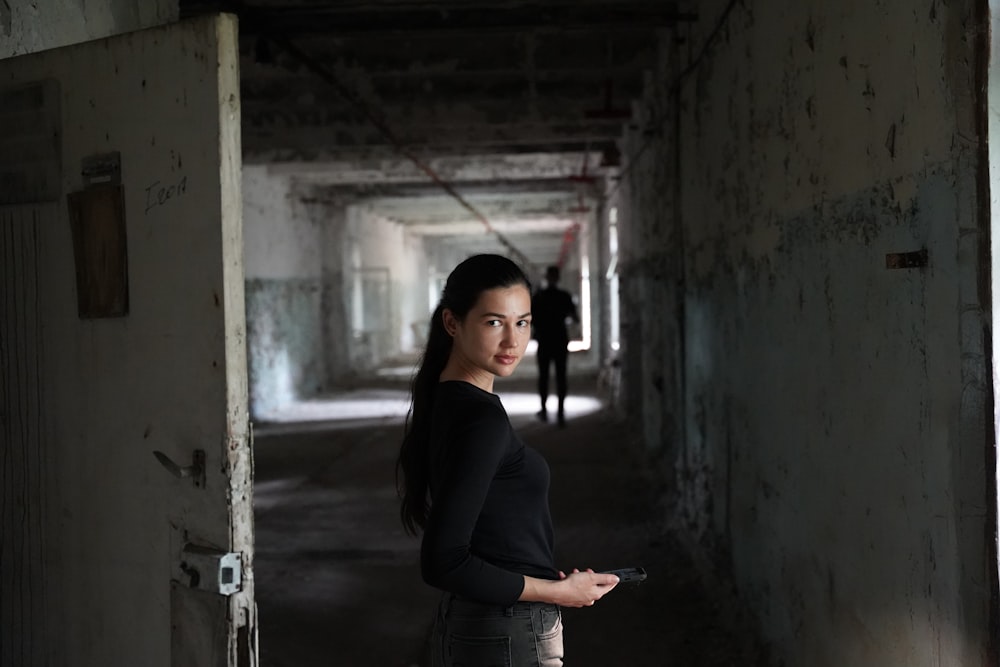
<point>126,525</point>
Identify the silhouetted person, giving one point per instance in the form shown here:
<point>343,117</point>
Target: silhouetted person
<point>550,308</point>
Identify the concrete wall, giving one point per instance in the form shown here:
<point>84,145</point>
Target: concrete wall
<point>333,290</point>
<point>388,292</point>
<point>27,26</point>
<point>375,283</point>
<point>282,246</point>
<point>834,410</point>
<point>335,303</point>
<point>651,272</point>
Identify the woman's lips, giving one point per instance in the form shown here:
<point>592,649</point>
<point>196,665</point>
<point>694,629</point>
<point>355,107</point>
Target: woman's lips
<point>506,359</point>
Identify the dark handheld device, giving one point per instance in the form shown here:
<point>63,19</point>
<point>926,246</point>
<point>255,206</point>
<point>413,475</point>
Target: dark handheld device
<point>628,574</point>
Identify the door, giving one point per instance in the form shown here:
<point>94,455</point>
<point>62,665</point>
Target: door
<point>126,524</point>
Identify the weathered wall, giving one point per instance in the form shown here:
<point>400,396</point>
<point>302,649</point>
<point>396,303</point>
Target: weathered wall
<point>332,289</point>
<point>651,271</point>
<point>835,409</point>
<point>27,26</point>
<point>387,288</point>
<point>335,304</point>
<point>283,290</point>
<point>375,288</point>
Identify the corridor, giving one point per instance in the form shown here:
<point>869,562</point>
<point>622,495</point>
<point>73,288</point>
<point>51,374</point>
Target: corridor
<point>338,581</point>
<point>778,222</point>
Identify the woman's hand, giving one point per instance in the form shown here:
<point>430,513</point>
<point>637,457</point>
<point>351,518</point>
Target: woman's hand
<point>578,589</point>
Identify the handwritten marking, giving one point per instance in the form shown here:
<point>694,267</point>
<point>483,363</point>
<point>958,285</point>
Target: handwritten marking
<point>158,195</point>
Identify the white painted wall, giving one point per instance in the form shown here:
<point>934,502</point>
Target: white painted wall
<point>410,276</point>
<point>281,238</point>
<point>380,244</point>
<point>317,319</point>
<point>27,26</point>
<point>833,409</point>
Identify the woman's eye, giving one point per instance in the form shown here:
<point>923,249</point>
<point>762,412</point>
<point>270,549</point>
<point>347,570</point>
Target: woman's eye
<point>523,323</point>
<point>493,323</point>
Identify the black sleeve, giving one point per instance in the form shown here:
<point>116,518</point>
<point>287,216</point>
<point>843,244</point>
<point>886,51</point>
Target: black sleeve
<point>475,450</point>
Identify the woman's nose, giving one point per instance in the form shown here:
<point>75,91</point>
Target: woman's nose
<point>510,336</point>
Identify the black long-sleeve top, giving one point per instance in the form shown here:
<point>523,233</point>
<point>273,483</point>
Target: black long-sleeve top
<point>489,521</point>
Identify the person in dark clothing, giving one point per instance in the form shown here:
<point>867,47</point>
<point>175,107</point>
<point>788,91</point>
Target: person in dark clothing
<point>551,308</point>
<point>479,494</point>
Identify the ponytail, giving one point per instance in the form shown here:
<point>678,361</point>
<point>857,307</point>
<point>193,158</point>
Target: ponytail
<point>413,454</point>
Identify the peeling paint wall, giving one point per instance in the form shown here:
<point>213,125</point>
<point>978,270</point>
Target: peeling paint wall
<point>333,290</point>
<point>283,292</point>
<point>833,409</point>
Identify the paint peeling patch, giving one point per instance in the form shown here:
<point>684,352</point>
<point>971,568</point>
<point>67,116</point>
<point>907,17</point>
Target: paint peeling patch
<point>284,342</point>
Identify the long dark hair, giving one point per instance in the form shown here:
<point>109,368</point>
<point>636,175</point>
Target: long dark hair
<point>467,281</point>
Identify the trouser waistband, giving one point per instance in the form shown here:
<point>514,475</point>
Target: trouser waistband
<point>461,604</point>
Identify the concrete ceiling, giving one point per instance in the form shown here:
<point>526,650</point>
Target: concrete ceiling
<point>455,117</point>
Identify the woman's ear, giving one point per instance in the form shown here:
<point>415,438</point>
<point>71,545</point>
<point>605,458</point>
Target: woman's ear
<point>449,321</point>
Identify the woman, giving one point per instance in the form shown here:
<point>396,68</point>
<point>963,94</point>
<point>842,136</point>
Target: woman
<point>479,494</point>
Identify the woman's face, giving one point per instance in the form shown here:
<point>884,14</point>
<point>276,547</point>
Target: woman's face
<point>493,336</point>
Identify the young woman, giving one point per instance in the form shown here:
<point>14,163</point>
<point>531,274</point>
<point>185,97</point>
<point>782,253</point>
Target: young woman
<point>479,494</point>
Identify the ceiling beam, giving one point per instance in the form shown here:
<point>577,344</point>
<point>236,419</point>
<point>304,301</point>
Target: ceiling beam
<point>467,168</point>
<point>334,19</point>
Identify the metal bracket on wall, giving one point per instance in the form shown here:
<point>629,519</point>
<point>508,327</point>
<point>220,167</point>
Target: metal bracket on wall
<point>103,169</point>
<point>906,260</point>
<point>196,470</point>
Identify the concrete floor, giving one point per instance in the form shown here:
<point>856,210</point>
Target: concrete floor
<point>338,581</point>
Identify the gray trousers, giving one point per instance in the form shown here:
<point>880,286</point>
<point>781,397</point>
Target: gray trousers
<point>472,634</point>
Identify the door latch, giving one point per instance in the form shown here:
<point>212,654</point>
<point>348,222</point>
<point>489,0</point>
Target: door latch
<point>196,470</point>
<point>211,570</point>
